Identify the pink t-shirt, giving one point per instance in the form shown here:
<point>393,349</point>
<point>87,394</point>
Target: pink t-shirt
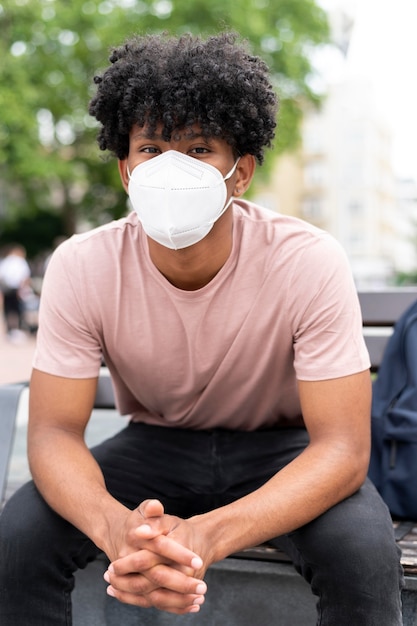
<point>283,307</point>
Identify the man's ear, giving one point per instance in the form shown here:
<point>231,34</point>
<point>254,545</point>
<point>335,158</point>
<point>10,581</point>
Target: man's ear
<point>122,164</point>
<point>244,173</point>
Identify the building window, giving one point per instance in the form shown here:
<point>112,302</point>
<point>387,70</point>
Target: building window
<point>312,208</point>
<point>355,207</point>
<point>314,174</point>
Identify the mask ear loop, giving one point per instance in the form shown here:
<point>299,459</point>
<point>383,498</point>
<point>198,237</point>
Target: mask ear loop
<point>229,175</point>
<point>232,171</point>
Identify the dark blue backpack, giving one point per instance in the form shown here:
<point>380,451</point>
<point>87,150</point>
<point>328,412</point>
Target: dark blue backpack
<point>393,466</point>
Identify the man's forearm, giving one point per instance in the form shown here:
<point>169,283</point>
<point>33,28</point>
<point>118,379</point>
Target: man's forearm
<point>303,490</point>
<point>72,483</point>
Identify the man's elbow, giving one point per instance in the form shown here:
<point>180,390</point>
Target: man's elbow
<point>359,464</point>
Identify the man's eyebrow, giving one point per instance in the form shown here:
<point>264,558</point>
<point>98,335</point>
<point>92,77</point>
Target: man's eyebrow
<point>176,135</point>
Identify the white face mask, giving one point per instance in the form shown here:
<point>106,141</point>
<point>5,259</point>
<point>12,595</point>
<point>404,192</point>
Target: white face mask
<point>178,198</point>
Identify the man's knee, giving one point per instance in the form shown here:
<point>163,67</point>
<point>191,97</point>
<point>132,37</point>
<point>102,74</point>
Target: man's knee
<point>28,525</point>
<point>35,538</point>
<point>354,540</point>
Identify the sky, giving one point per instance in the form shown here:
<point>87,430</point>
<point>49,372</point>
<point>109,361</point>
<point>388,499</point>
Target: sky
<point>384,50</point>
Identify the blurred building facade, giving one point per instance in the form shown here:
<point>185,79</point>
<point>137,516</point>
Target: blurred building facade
<point>404,225</point>
<point>342,180</point>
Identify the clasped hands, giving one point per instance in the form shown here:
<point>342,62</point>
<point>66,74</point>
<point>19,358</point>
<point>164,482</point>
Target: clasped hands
<point>156,565</point>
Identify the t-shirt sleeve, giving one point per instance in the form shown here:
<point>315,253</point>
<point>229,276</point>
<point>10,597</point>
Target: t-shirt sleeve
<point>327,332</point>
<point>67,344</point>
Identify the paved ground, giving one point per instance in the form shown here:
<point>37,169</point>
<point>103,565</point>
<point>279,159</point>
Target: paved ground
<point>15,358</point>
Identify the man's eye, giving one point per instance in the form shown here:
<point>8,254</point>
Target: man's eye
<point>199,150</point>
<point>150,150</point>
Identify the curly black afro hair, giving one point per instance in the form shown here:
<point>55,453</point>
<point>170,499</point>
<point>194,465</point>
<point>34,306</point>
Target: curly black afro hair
<point>177,82</point>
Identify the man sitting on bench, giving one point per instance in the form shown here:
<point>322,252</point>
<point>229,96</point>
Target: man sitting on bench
<point>233,336</point>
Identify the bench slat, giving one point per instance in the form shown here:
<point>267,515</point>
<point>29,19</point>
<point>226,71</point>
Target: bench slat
<point>383,308</point>
<point>9,404</point>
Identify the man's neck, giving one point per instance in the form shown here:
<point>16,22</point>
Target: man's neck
<point>194,267</point>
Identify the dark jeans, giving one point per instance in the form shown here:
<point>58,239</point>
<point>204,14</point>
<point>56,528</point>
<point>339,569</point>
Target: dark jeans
<point>348,555</point>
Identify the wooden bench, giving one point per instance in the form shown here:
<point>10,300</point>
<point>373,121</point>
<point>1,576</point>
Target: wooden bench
<point>257,584</point>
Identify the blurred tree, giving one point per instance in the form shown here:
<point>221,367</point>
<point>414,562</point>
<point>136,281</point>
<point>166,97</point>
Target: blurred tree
<point>51,49</point>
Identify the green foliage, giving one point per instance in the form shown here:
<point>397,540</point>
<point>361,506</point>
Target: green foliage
<point>35,233</point>
<point>405,279</point>
<point>51,49</point>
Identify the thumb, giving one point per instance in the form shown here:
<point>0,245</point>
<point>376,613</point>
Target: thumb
<point>151,508</point>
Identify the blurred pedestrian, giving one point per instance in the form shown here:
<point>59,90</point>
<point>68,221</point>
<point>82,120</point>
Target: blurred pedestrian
<point>14,277</point>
